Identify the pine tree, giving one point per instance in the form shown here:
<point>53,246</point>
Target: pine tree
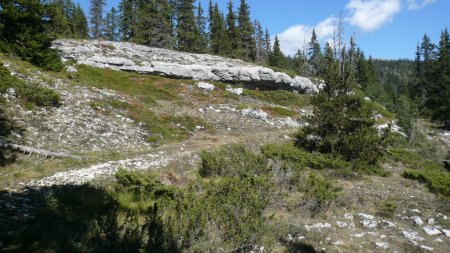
<point>300,62</point>
<point>416,87</point>
<point>60,19</point>
<point>201,24</point>
<point>314,53</point>
<point>23,31</point>
<point>428,54</point>
<point>188,34</point>
<point>232,32</point>
<point>267,44</point>
<point>342,123</point>
<point>96,11</point>
<point>261,54</point>
<point>79,24</point>
<point>439,90</point>
<point>246,42</point>
<point>277,58</point>
<point>111,27</point>
<point>217,31</point>
<point>153,25</point>
<point>129,13</point>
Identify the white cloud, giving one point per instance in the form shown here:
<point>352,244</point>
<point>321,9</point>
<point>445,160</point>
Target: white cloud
<point>369,15</point>
<point>413,5</point>
<point>296,36</point>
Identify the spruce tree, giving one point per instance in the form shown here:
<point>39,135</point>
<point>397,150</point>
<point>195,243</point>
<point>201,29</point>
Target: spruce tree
<point>201,24</point>
<point>267,44</point>
<point>299,62</point>
<point>79,24</point>
<point>277,58</point>
<point>60,25</point>
<point>188,34</point>
<point>128,14</point>
<point>261,53</point>
<point>314,53</point>
<point>23,32</point>
<point>342,123</point>
<point>232,33</point>
<point>246,42</point>
<point>111,27</point>
<point>438,101</point>
<point>217,31</point>
<point>153,25</point>
<point>96,12</point>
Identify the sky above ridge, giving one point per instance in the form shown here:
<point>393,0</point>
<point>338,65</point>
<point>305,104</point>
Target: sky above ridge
<point>388,29</point>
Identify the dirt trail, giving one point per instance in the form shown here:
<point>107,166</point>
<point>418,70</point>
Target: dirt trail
<point>159,157</point>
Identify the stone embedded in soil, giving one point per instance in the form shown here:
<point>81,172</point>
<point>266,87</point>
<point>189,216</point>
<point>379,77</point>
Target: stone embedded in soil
<point>426,248</point>
<point>446,232</point>
<point>417,220</point>
<point>383,245</point>
<point>317,226</point>
<point>413,236</point>
<point>370,223</point>
<point>431,230</point>
<point>366,216</point>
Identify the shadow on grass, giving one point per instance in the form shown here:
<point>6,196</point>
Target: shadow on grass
<point>77,219</point>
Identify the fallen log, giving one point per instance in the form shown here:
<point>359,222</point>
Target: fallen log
<point>46,153</point>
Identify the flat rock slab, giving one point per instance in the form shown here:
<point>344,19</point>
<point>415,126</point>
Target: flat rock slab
<point>131,57</point>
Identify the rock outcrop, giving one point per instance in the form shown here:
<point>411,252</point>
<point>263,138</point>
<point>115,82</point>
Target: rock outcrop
<point>132,57</point>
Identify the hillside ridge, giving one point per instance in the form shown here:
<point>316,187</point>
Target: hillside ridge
<point>137,58</point>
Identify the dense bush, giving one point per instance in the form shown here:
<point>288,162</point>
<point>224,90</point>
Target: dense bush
<point>23,32</point>
<point>303,158</point>
<point>232,161</point>
<point>436,178</point>
<point>318,192</point>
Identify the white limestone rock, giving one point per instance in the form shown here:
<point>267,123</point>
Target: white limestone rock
<point>237,91</point>
<point>202,67</point>
<point>431,230</point>
<point>206,86</point>
<point>256,114</point>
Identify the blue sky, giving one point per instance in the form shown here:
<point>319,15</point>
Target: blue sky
<point>386,29</point>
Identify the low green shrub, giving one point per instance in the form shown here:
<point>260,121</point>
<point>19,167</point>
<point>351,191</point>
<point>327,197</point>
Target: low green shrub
<point>288,152</point>
<point>436,178</point>
<point>279,111</point>
<point>232,161</point>
<point>279,97</point>
<point>318,191</point>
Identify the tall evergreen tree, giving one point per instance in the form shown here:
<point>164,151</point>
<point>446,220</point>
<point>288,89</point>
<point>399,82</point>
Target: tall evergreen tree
<point>267,44</point>
<point>232,32</point>
<point>201,24</point>
<point>23,31</point>
<point>111,27</point>
<point>96,11</point>
<point>314,53</point>
<point>300,62</point>
<point>188,34</point>
<point>128,15</point>
<point>60,18</point>
<point>277,58</point>
<point>79,23</point>
<point>217,31</point>
<point>153,25</point>
<point>260,42</point>
<point>246,42</point>
<point>427,48</point>
<point>439,90</point>
<point>342,123</point>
